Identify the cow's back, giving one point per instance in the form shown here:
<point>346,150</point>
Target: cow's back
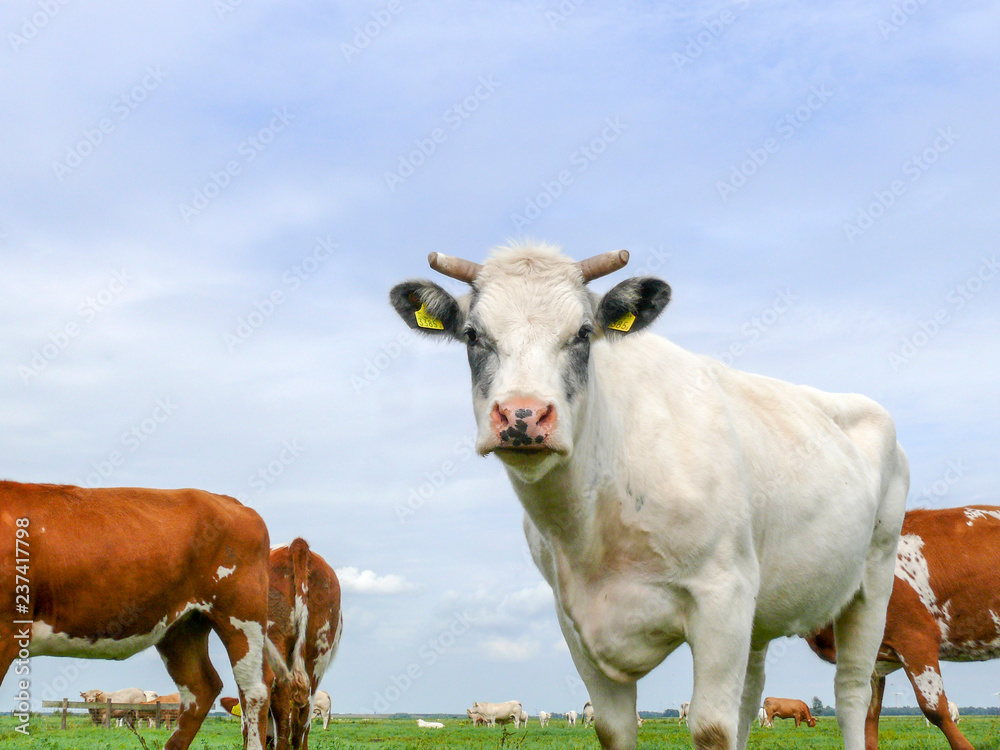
<point>948,578</point>
<point>109,561</point>
<point>714,453</point>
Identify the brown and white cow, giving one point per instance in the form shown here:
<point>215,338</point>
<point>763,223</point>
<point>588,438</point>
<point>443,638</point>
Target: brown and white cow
<point>667,497</point>
<point>787,708</point>
<point>945,606</point>
<point>115,571</point>
<point>305,625</point>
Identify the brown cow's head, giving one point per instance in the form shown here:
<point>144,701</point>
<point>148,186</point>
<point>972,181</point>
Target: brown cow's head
<point>823,644</point>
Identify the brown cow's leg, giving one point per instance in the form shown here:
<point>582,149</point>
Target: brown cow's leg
<point>301,722</point>
<point>925,676</point>
<point>874,712</point>
<point>244,642</point>
<point>281,711</point>
<point>185,653</point>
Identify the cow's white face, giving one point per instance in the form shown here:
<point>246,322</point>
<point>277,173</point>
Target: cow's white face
<point>528,326</point>
<point>528,330</point>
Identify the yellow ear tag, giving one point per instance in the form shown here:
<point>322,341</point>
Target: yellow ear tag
<point>237,710</point>
<point>426,320</point>
<point>624,323</point>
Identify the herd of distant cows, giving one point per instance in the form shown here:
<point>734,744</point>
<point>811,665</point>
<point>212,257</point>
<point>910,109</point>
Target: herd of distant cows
<point>668,499</point>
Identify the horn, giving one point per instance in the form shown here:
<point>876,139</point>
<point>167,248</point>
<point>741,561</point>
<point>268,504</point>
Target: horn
<point>457,268</point>
<point>603,264</point>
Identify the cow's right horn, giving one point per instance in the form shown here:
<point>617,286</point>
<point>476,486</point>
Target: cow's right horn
<point>457,268</point>
<point>603,264</point>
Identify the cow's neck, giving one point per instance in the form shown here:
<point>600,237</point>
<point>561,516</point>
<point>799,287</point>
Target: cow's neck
<point>565,505</point>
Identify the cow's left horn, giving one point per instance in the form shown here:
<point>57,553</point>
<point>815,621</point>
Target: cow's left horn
<point>457,268</point>
<point>603,264</point>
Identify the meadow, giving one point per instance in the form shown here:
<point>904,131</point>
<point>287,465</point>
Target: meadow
<point>897,733</point>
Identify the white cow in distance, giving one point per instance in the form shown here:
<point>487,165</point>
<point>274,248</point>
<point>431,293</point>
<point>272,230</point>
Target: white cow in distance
<point>321,707</point>
<point>571,718</point>
<point>524,718</point>
<point>496,713</point>
<point>429,724</point>
<point>669,498</point>
<point>682,714</point>
<point>543,718</point>
<point>126,695</point>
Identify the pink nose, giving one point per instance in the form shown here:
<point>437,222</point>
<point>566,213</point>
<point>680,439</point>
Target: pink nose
<point>523,422</point>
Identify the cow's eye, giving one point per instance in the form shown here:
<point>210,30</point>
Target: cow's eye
<point>584,333</point>
<point>471,337</point>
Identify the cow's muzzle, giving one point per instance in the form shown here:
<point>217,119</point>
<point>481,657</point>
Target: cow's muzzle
<point>523,423</point>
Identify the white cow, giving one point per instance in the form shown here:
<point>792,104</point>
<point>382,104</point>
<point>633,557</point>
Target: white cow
<point>126,695</point>
<point>683,713</point>
<point>543,718</point>
<point>762,719</point>
<point>588,714</point>
<point>952,711</point>
<point>429,724</point>
<point>321,707</point>
<point>496,713</point>
<point>638,719</point>
<point>668,497</point>
<point>571,718</point>
<point>150,695</point>
<point>524,718</point>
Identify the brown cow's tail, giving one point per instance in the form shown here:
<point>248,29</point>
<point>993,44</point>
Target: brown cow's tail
<point>301,686</point>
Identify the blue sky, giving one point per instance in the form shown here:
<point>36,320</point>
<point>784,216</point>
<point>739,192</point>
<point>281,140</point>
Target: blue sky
<point>204,206</point>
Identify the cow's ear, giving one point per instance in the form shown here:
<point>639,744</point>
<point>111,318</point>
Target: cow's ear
<point>428,308</point>
<point>632,305</point>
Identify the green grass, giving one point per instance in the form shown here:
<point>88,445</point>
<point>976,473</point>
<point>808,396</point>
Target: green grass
<point>897,733</point>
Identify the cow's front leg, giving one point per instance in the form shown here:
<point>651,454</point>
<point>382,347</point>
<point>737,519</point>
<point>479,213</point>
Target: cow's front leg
<point>753,688</point>
<point>614,702</point>
<point>719,636</point>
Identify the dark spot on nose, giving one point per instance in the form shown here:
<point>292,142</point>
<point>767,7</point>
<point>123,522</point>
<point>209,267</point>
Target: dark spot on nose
<point>522,413</point>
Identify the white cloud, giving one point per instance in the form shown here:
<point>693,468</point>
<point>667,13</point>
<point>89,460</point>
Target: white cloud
<point>369,582</point>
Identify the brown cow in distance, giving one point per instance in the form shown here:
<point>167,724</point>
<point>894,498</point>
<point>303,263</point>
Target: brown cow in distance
<point>167,715</point>
<point>114,571</point>
<point>305,627</point>
<point>788,708</point>
<point>304,632</point>
<point>945,606</point>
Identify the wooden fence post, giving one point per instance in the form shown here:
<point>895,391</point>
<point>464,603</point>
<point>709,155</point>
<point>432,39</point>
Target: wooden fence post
<point>157,720</point>
<point>65,701</point>
<point>107,716</point>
